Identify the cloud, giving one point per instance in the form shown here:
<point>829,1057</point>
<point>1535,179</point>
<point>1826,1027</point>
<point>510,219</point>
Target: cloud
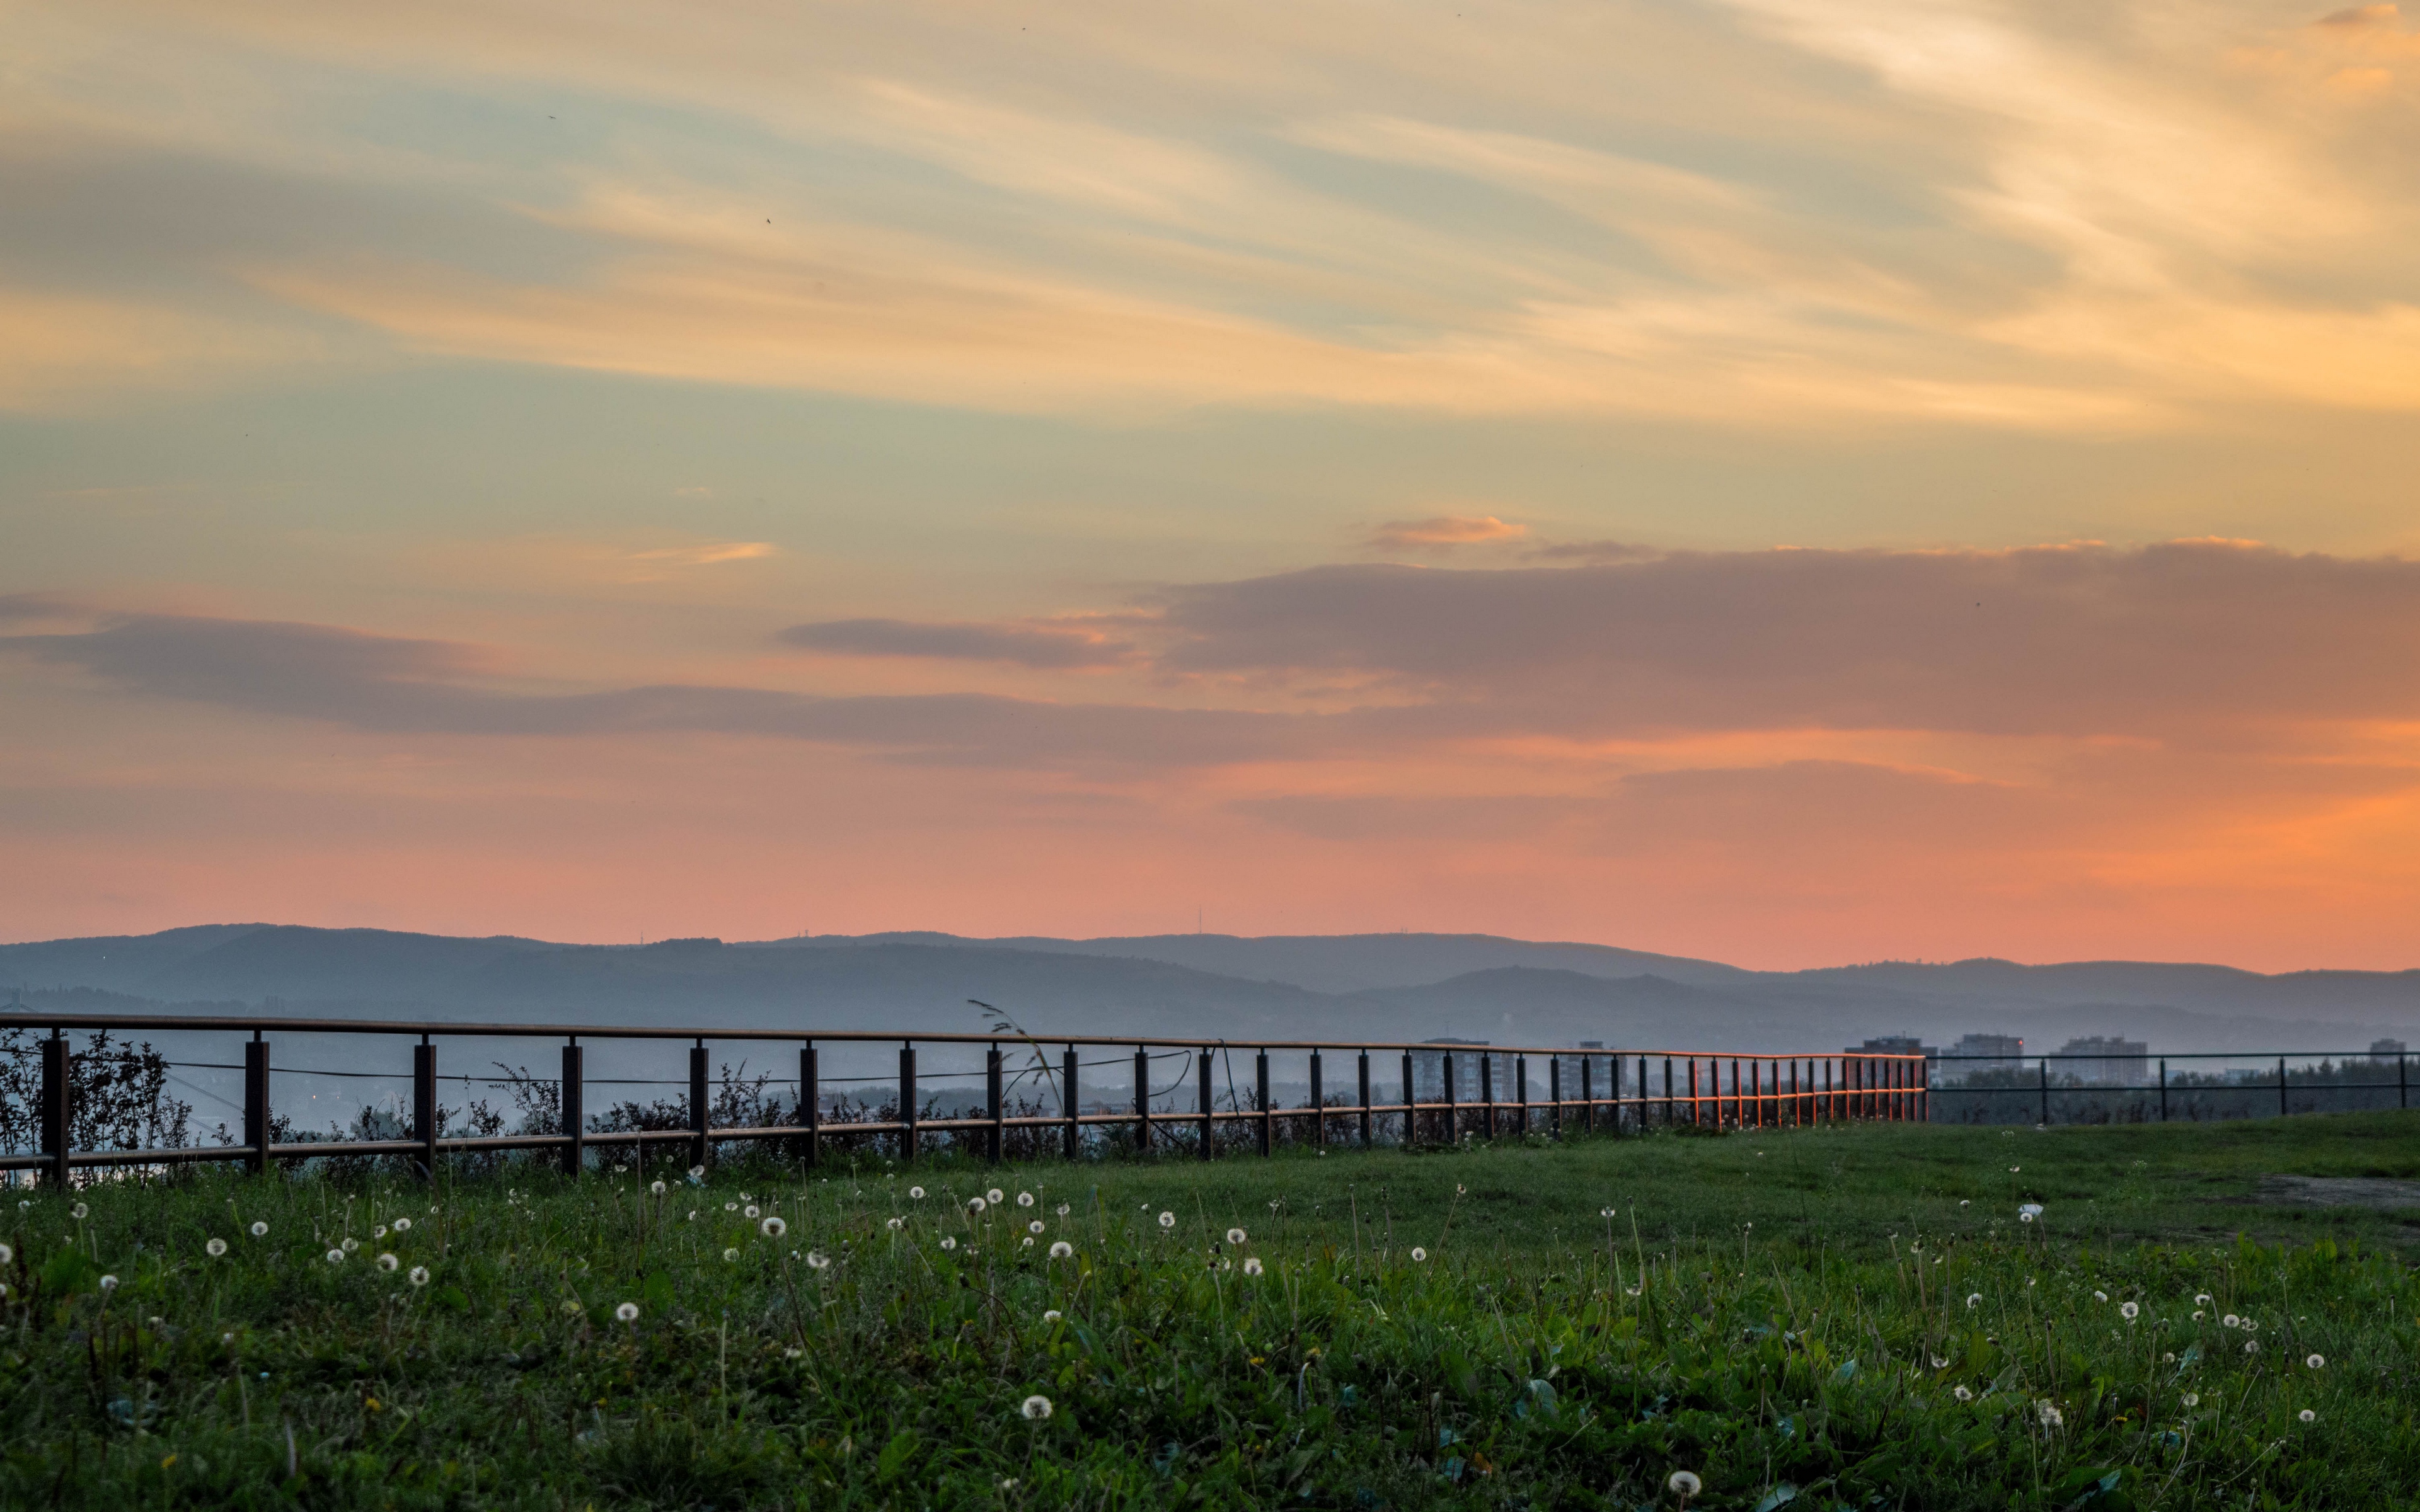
<point>400,686</point>
<point>1445,530</point>
<point>1025,645</point>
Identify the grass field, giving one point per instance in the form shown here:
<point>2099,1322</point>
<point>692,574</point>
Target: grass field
<point>1844,1317</point>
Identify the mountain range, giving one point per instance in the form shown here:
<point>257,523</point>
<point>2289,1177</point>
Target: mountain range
<point>1403,986</point>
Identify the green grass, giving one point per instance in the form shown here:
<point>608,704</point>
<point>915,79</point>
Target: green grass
<point>1765,1311</point>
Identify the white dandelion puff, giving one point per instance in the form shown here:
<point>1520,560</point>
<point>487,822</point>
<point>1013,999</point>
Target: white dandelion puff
<point>109,1283</point>
<point>949,1244</point>
<point>1234,1236</point>
<point>1062,1209</point>
<point>656,1187</point>
<point>995,1196</point>
<point>1940,1362</point>
<point>773,1226</point>
<point>2231,1320</point>
<point>1025,1199</point>
<point>2101,1296</point>
<point>1252,1265</point>
<point>335,1257</point>
<point>1052,1316</point>
<point>750,1212</point>
<point>697,1173</point>
<point>2308,1416</point>
<point>1062,1250</point>
<point>731,1207</point>
<point>2316,1362</point>
<point>1033,1227</point>
<point>2191,1399</point>
<point>380,1232</point>
<point>1168,1220</point>
<point>917,1193</point>
<point>2050,1415</point>
<point>388,1263</point>
<point>896,1224</point>
<point>351,1245</point>
<point>975,1204</point>
<point>1035,1408</point>
<point>2252,1346</point>
<point>730,1253</point>
<point>2199,1315</point>
<point>418,1275</point>
<point>1418,1254</point>
<point>2130,1310</point>
<point>817,1260</point>
<point>1973,1300</point>
<point>79,1212</point>
<point>628,1312</point>
<point>215,1248</point>
<point>1962,1394</point>
<point>2201,1299</point>
<point>1605,1212</point>
<point>1683,1484</point>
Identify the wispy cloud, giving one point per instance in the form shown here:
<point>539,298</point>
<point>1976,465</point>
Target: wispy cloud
<point>1445,531</point>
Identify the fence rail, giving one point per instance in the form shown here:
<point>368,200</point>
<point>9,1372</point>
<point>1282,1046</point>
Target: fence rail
<point>1697,1088</point>
<point>2012,1083</point>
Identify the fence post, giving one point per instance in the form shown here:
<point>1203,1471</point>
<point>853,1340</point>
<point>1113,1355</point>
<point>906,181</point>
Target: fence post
<point>1453,1114</point>
<point>1555,1095</point>
<point>1587,1101</point>
<point>2046,1089</point>
<point>1411,1105</point>
<point>1756,1090</point>
<point>811,1101</point>
<point>1521,1092</point>
<point>1318,1106</point>
<point>907,1103</point>
<point>1487,1094</point>
<point>2402,1079</point>
<point>993,1136</point>
<point>2164,1089</point>
<point>2281,1087</point>
<point>1072,1106</point>
<point>55,1110</point>
<point>1365,1100</point>
<point>1798,1113</point>
<point>1667,1086</point>
<point>571,1100</point>
<point>1142,1099</point>
<point>1269,1115</point>
<point>255,1102</point>
<point>424,1104</point>
<point>1697,1113</point>
<point>699,1147</point>
<point>1202,1105</point>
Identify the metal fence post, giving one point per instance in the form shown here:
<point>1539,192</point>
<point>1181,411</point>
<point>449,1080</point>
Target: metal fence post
<point>1453,1113</point>
<point>255,1102</point>
<point>1269,1115</point>
<point>1366,1130</point>
<point>2281,1087</point>
<point>1069,1103</point>
<point>2046,1089</point>
<point>1318,1106</point>
<point>1587,1101</point>
<point>1411,1105</point>
<point>811,1102</point>
<point>995,1137</point>
<point>1555,1094</point>
<point>570,1098</point>
<point>1521,1094</point>
<point>1142,1099</point>
<point>907,1103</point>
<point>1202,1105</point>
<point>57,1095</point>
<point>2164,1089</point>
<point>424,1104</point>
<point>1667,1086</point>
<point>699,1147</point>
<point>2402,1079</point>
<point>1696,1115</point>
<point>1487,1092</point>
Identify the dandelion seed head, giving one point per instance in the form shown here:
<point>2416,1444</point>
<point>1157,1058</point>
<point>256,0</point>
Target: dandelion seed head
<point>1962,1394</point>
<point>2101,1296</point>
<point>818,1261</point>
<point>949,1244</point>
<point>917,1193</point>
<point>1605,1212</point>
<point>773,1226</point>
<point>1252,1265</point>
<point>2130,1310</point>
<point>258,1229</point>
<point>388,1262</point>
<point>1052,1316</point>
<point>656,1187</point>
<point>1418,1254</point>
<point>1035,1408</point>
<point>2252,1346</point>
<point>1682,1483</point>
<point>731,1207</point>
<point>2191,1399</point>
<point>2201,1300</point>
<point>1168,1220</point>
<point>79,1212</point>
<point>1062,1250</point>
<point>975,1204</point>
<point>351,1245</point>
<point>1940,1362</point>
<point>2316,1362</point>
<point>403,1225</point>
<point>995,1196</point>
<point>1025,1199</point>
<point>1973,1300</point>
<point>2308,1416</point>
<point>750,1212</point>
<point>109,1283</point>
<point>1062,1209</point>
<point>215,1248</point>
<point>627,1312</point>
<point>418,1276</point>
<point>2049,1413</point>
<point>731,1254</point>
<point>896,1224</point>
<point>1234,1236</point>
<point>380,1232</point>
<point>335,1257</point>
<point>2231,1320</point>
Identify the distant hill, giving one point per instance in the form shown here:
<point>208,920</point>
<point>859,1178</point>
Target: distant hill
<point>1342,987</point>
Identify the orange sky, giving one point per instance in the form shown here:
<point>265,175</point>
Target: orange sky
<point>1781,482</point>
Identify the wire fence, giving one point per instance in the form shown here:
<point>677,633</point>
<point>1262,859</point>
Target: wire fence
<point>2131,1087</point>
<point>112,1102</point>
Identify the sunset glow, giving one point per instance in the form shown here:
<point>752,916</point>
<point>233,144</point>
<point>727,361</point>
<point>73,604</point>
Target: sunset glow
<point>1781,482</point>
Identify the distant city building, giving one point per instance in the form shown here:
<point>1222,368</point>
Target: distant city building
<point>2386,1049</point>
<point>2106,1059</point>
<point>1904,1045</point>
<point>1428,1072</point>
<point>1978,1054</point>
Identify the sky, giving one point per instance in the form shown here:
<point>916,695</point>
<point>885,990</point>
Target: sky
<point>1794,482</point>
